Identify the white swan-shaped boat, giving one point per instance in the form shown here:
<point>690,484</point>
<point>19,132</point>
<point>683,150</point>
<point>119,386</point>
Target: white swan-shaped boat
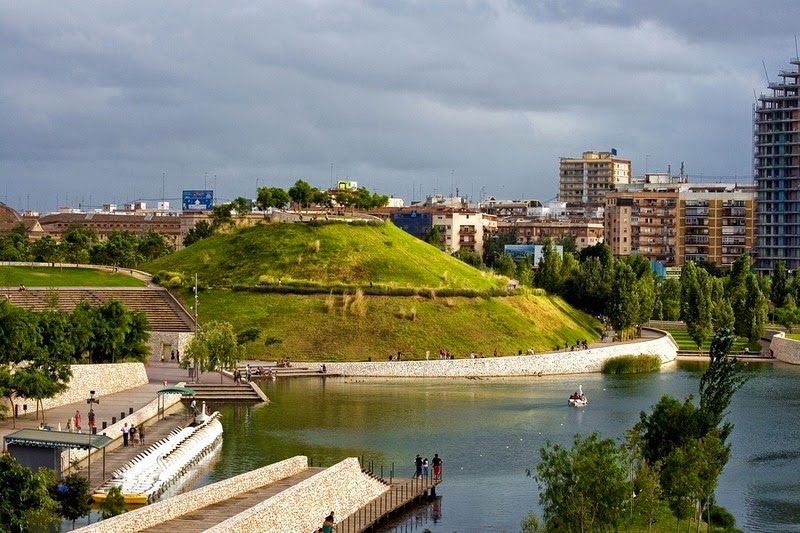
<point>578,399</point>
<point>148,474</point>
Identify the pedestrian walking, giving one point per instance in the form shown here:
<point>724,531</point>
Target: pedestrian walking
<point>91,420</point>
<point>78,421</point>
<point>141,434</point>
<point>125,434</point>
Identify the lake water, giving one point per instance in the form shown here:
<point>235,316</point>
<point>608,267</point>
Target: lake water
<point>490,431</point>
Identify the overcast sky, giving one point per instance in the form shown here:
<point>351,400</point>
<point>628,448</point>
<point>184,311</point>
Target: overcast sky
<point>108,101</point>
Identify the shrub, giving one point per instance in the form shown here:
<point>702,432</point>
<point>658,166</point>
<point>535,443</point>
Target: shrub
<point>721,517</point>
<point>170,280</point>
<point>632,364</point>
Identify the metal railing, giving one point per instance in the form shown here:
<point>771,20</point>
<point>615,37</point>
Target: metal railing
<point>397,497</point>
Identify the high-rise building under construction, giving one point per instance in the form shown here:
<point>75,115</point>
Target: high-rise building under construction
<point>776,165</point>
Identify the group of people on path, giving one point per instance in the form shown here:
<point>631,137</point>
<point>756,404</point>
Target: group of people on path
<point>131,435</point>
<point>422,466</point>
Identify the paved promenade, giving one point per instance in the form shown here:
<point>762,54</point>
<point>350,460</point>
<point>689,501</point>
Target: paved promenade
<point>112,405</point>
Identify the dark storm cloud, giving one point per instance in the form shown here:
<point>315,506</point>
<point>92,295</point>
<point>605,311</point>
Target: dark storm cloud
<point>106,99</point>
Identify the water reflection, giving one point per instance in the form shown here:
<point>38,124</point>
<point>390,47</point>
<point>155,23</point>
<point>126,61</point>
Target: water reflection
<point>489,433</point>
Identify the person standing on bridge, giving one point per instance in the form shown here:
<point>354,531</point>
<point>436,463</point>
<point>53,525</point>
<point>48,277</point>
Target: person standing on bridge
<point>437,466</point>
<point>418,465</point>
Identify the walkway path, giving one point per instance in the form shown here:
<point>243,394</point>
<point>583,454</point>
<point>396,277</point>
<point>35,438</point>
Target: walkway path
<point>207,517</point>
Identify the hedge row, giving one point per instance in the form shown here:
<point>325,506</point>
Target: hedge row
<point>293,288</point>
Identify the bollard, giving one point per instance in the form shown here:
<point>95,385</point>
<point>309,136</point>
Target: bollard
<point>113,420</point>
<point>130,410</point>
<point>121,415</point>
<point>94,430</point>
<point>105,424</point>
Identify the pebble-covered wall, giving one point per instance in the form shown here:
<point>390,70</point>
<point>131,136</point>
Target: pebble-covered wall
<point>103,379</point>
<point>342,488</point>
<point>786,350</point>
<point>162,511</point>
<point>577,362</point>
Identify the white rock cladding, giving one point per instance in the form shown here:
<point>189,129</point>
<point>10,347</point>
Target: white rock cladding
<point>342,488</point>
<point>165,510</point>
<point>786,350</point>
<point>578,362</point>
<point>103,379</point>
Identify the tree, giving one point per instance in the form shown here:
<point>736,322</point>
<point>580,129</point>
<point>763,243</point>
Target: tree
<point>647,487</point>
<point>73,495</point>
<point>153,245</point>
<point>788,316</point>
<point>548,272</point>
<point>77,242</point>
<point>505,266</point>
<point>242,206</point>
<point>468,256</point>
<point>121,248</point>
<point>301,194</point>
<point>114,504</point>
<point>721,310</point>
<point>117,333</point>
<point>591,288</point>
<point>269,197</point>
<point>723,377</point>
<point>646,293</point>
<point>582,489</point>
<point>201,230</point>
<point>221,216</point>
<point>754,315</point>
<point>15,246</point>
<point>524,273</point>
<point>433,237</point>
<point>780,284</point>
<point>214,347</point>
<point>46,250</point>
<point>623,303</point>
<point>695,303</point>
<point>24,497</point>
<point>667,305</point>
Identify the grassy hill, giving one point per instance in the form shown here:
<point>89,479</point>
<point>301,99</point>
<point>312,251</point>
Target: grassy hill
<point>319,328</point>
<point>12,276</point>
<point>323,253</point>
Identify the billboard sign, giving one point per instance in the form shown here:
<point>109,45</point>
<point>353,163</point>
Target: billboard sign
<point>198,200</point>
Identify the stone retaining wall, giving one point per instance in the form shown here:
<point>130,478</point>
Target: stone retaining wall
<point>165,510</point>
<point>103,379</point>
<point>786,350</point>
<point>342,488</point>
<point>578,362</point>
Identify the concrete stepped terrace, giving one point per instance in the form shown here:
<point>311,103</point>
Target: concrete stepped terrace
<point>163,312</point>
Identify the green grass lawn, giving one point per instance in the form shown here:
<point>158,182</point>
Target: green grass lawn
<point>12,276</point>
<point>685,343</point>
<point>325,254</point>
<point>311,330</point>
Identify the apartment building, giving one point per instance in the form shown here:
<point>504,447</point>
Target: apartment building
<point>682,222</point>
<point>776,165</point>
<point>642,222</point>
<point>530,231</point>
<point>715,224</point>
<point>586,181</point>
<point>458,228</point>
